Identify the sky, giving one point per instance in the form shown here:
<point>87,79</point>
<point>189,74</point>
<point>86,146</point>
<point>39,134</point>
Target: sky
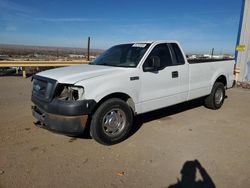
<point>198,25</point>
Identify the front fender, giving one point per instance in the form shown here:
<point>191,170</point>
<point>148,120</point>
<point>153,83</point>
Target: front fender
<point>100,87</point>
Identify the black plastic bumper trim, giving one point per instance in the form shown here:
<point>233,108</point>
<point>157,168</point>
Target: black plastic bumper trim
<point>70,125</point>
<point>67,108</point>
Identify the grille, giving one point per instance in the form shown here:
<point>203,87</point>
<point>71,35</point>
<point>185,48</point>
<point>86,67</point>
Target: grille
<point>39,87</point>
<point>43,88</point>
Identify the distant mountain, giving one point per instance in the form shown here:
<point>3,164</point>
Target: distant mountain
<point>12,49</point>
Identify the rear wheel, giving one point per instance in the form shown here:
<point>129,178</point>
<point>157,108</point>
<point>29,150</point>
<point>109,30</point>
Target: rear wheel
<point>111,122</point>
<point>216,98</point>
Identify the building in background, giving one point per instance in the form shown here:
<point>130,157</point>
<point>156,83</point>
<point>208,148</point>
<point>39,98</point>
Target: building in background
<point>4,57</point>
<point>243,44</point>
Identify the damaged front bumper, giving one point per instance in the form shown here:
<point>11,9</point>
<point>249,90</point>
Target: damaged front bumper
<point>67,117</point>
<point>72,125</point>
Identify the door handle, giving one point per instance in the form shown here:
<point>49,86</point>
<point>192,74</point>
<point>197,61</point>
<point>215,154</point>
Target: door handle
<point>175,74</point>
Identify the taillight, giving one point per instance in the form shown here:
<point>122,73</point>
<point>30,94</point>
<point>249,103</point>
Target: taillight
<point>234,69</point>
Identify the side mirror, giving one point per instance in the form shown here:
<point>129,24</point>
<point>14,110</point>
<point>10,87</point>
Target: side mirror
<point>152,64</point>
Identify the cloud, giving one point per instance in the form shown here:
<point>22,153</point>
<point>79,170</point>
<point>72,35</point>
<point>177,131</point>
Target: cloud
<point>68,19</point>
<point>11,6</point>
<point>11,28</point>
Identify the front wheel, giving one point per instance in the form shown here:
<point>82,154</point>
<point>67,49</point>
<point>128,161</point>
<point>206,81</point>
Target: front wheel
<point>111,122</point>
<point>216,98</point>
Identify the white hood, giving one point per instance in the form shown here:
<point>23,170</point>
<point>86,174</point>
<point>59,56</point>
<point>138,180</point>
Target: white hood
<point>73,74</point>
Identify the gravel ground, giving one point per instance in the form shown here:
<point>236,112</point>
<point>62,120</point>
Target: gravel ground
<point>153,156</point>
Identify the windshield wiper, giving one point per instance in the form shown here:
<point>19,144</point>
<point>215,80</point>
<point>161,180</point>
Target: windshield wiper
<point>112,65</point>
<point>106,64</point>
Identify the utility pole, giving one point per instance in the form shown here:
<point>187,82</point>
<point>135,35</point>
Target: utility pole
<point>88,48</point>
<point>212,53</point>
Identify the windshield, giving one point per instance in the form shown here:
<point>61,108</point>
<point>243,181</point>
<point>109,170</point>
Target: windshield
<point>124,55</point>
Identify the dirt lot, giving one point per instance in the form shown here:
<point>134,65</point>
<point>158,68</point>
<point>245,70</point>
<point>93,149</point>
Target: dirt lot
<point>153,156</point>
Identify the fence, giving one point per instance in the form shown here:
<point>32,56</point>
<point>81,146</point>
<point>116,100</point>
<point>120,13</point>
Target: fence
<point>25,64</point>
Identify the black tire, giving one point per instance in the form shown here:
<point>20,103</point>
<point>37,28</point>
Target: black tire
<point>210,101</point>
<point>100,133</point>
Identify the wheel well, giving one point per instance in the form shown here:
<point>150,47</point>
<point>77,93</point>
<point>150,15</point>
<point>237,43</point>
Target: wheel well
<point>126,98</point>
<point>222,79</point>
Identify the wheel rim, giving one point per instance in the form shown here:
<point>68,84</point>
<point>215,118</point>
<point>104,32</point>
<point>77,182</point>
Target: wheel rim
<point>219,95</point>
<point>114,122</point>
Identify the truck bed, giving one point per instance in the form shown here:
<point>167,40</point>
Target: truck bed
<point>203,73</point>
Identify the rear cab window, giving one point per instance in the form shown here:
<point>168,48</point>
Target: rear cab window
<point>177,54</point>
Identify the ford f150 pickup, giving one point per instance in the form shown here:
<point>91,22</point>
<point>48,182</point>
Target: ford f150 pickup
<point>126,80</point>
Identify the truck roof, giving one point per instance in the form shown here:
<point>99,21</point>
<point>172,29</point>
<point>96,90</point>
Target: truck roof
<point>153,41</point>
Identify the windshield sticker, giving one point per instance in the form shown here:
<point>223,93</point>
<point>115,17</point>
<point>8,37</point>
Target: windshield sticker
<point>139,45</point>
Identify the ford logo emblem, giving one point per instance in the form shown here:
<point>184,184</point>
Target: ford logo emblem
<point>37,87</point>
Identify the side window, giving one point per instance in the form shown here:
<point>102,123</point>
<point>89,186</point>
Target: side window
<point>178,54</point>
<point>161,51</point>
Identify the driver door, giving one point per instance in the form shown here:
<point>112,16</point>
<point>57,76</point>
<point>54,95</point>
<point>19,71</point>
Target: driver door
<point>159,88</point>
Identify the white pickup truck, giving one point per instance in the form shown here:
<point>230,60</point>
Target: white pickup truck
<point>126,80</point>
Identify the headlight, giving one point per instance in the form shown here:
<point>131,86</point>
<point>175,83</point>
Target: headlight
<point>70,92</point>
